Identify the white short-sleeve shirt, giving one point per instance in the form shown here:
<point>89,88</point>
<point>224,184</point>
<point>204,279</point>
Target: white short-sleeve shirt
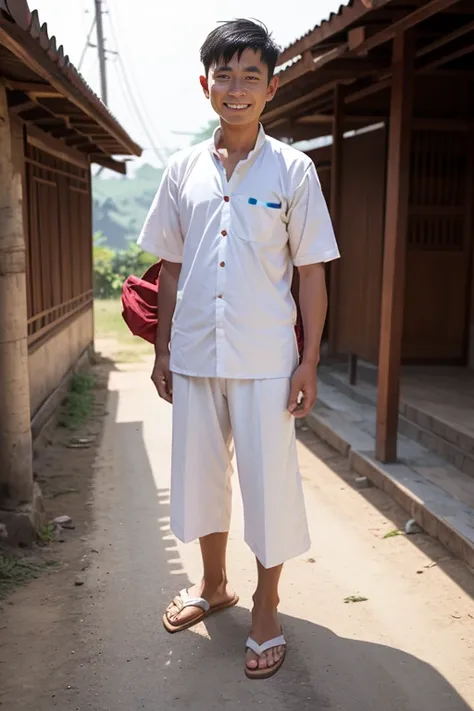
<point>238,241</point>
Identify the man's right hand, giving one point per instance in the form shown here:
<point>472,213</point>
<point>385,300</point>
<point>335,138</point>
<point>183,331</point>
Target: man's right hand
<point>162,378</point>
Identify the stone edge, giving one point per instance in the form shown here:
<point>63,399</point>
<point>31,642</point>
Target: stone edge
<point>434,525</point>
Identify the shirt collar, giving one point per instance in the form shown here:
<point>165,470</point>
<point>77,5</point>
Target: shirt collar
<point>260,142</point>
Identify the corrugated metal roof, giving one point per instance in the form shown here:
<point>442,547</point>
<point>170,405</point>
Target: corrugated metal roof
<point>286,73</point>
<point>19,22</point>
<point>338,8</point>
<point>343,12</point>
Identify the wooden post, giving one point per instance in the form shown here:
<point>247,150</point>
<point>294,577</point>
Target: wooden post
<point>352,369</point>
<point>16,478</point>
<point>335,210</point>
<point>396,223</point>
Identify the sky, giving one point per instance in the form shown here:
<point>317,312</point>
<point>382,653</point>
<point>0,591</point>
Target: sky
<point>154,88</point>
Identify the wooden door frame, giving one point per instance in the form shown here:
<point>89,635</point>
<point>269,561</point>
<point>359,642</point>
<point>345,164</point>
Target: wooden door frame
<point>469,340</point>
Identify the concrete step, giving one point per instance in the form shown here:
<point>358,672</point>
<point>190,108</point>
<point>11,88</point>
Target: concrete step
<point>440,437</point>
<point>437,495</point>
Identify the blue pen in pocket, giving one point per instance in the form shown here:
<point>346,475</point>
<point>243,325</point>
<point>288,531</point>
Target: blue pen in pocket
<point>274,205</point>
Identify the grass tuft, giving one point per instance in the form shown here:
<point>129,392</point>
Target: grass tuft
<point>16,571</point>
<point>77,407</point>
<point>109,324</point>
<point>355,598</point>
<point>392,534</point>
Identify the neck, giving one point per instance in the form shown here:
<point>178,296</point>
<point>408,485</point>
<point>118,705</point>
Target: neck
<point>238,139</point>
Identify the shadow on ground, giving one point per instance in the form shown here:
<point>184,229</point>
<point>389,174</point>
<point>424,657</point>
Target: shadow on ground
<point>440,556</point>
<point>101,646</point>
<point>203,668</point>
<point>63,468</point>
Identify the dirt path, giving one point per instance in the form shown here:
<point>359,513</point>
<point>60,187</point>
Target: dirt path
<point>101,646</point>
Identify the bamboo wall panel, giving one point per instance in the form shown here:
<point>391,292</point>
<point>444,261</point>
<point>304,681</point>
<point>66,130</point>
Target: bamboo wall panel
<point>59,241</point>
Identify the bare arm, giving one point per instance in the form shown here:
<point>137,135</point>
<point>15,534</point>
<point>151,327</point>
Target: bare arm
<point>313,306</point>
<point>312,243</point>
<point>161,375</point>
<point>169,276</point>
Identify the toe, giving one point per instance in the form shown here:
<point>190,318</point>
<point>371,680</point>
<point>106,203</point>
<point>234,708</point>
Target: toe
<point>262,662</point>
<point>252,660</point>
<point>270,658</point>
<point>177,616</point>
<point>171,612</point>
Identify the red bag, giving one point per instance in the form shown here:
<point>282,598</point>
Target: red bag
<point>140,306</point>
<point>139,301</point>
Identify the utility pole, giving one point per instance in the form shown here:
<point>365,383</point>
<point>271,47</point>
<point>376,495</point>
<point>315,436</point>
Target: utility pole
<point>101,50</point>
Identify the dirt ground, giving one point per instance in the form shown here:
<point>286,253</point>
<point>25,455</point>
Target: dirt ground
<point>373,620</point>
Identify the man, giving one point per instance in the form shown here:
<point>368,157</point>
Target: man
<point>231,219</point>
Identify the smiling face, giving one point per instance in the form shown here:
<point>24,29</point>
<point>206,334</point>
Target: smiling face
<point>239,89</point>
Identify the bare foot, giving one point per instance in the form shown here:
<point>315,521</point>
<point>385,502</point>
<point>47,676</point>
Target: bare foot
<point>265,626</point>
<point>214,596</point>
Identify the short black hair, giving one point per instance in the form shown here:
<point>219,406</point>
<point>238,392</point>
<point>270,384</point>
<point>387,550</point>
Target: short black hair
<point>235,37</point>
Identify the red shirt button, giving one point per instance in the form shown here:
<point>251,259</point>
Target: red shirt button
<point>226,198</point>
<point>224,233</point>
<point>222,264</point>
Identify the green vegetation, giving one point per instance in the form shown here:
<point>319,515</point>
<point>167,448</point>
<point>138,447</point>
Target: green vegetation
<point>392,534</point>
<point>108,320</point>
<point>121,205</point>
<point>16,569</point>
<point>112,267</point>
<point>46,533</point>
<point>78,405</point>
<point>355,598</point>
<point>109,324</point>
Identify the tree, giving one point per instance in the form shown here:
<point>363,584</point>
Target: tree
<point>111,267</point>
<point>106,283</point>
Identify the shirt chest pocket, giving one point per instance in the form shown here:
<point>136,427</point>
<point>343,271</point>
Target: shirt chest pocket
<point>260,219</point>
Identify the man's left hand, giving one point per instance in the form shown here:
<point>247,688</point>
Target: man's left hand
<point>303,381</point>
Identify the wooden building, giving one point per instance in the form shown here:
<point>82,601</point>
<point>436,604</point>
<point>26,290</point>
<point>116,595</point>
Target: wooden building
<point>392,83</point>
<point>52,128</point>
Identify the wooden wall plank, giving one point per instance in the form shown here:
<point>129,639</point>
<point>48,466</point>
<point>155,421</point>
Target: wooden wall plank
<point>361,228</point>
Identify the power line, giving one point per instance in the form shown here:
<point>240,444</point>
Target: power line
<point>132,98</point>
<point>87,45</point>
<point>139,115</point>
<point>118,35</point>
<point>128,108</point>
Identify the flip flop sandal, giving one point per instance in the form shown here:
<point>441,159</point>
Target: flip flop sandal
<point>183,600</point>
<point>260,649</point>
